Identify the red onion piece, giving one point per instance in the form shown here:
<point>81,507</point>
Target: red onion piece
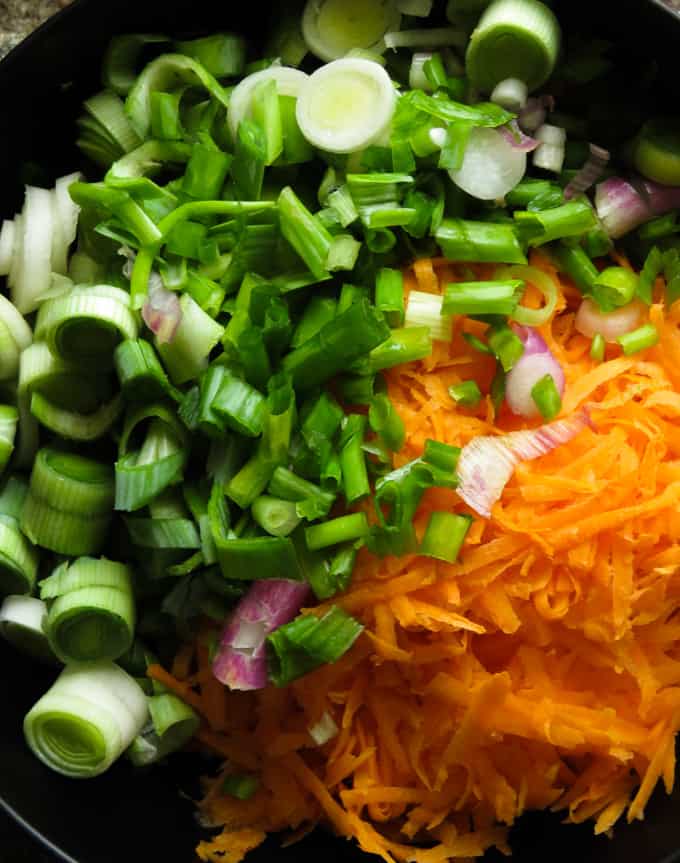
<point>535,363</point>
<point>487,463</point>
<point>533,114</point>
<point>589,174</point>
<point>610,325</point>
<point>517,139</point>
<point>162,312</point>
<point>624,205</point>
<point>241,661</point>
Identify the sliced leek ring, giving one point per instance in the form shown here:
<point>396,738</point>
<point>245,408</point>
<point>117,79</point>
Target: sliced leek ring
<point>288,83</point>
<point>346,105</point>
<point>331,28</point>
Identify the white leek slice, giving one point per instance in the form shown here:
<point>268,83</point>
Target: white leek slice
<point>22,620</point>
<point>14,275</point>
<point>36,264</point>
<point>66,214</point>
<point>87,719</point>
<point>346,105</point>
<point>15,323</point>
<point>491,167</point>
<point>288,83</point>
<point>331,28</point>
<point>6,246</point>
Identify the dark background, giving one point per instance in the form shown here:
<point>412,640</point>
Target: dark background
<point>16,846</point>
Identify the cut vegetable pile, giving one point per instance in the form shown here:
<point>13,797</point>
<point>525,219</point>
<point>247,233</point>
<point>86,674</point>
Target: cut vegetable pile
<point>339,440</point>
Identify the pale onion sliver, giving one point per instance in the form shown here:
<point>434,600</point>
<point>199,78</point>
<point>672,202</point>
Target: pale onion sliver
<point>6,246</point>
<point>491,167</point>
<point>610,325</point>
<point>66,222</point>
<point>36,266</point>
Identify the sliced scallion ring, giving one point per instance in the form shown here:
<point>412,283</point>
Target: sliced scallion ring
<point>656,151</point>
<point>108,111</point>
<point>85,326</point>
<point>9,419</point>
<point>91,611</point>
<point>86,720</point>
<point>64,384</point>
<point>331,28</point>
<point>346,105</point>
<point>22,624</point>
<point>288,83</point>
<point>69,504</point>
<point>186,355</point>
<point>18,560</point>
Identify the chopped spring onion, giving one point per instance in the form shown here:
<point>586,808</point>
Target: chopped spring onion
<point>550,153</point>
<point>482,298</point>
<point>506,345</point>
<point>120,62</point>
<point>91,611</point>
<point>511,94</point>
<point>431,37</point>
<point>222,54</point>
<point>485,242</point>
<point>513,39</point>
<point>639,340</point>
<point>173,723</point>
<point>466,394</point>
<point>197,334</point>
<point>142,473</point>
<point>425,310</point>
<point>547,397</point>
<point>18,558</point>
<point>242,407</point>
<point>86,720</point>
<point>288,83</point>
<point>656,152</point>
<point>140,373</point>
<point>69,504</point>
<point>161,74</point>
<point>275,516</point>
<point>403,346</point>
<point>308,642</point>
<point>22,621</point>
<point>597,348</point>
<point>346,106</point>
<point>353,459</point>
<point>242,786</point>
<point>445,535</point>
<point>389,296</point>
<point>331,28</point>
<point>311,501</point>
<point>615,287</point>
<point>386,422</point>
<point>338,530</point>
<point>9,420</point>
<point>417,79</point>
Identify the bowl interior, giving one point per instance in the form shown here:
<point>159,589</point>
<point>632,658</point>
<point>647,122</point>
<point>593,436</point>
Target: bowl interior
<point>138,815</point>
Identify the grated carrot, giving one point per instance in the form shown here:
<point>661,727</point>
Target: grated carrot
<point>540,671</point>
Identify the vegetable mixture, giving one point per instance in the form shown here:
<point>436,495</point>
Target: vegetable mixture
<point>340,441</point>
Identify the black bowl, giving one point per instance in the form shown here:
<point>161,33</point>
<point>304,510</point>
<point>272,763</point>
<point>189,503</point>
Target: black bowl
<point>145,816</point>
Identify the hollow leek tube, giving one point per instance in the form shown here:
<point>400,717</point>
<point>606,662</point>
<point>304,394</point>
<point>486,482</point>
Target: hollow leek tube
<point>22,621</point>
<point>64,384</point>
<point>86,325</point>
<point>86,720</point>
<point>173,724</point>
<point>69,504</point>
<point>91,613</point>
<point>145,471</point>
<point>74,426</point>
<point>9,419</point>
<point>513,39</point>
<point>140,373</point>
